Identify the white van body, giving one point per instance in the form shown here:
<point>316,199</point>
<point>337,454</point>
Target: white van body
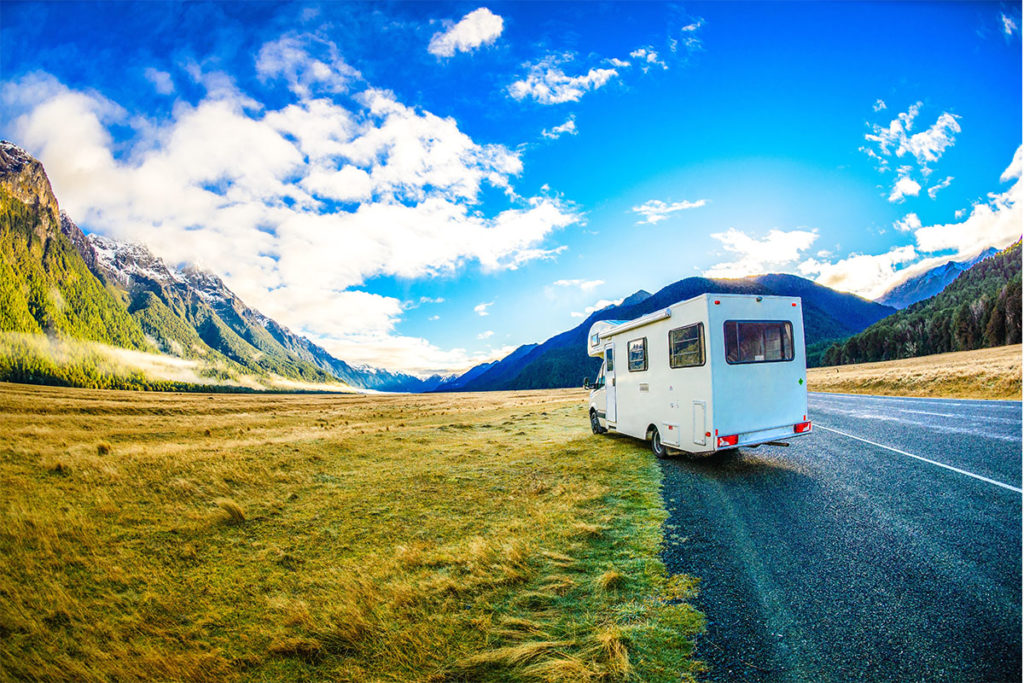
<point>714,372</point>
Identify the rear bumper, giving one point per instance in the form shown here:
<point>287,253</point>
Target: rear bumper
<point>764,435</point>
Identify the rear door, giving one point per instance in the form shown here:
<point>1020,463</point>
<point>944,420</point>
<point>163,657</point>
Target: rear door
<point>609,379</point>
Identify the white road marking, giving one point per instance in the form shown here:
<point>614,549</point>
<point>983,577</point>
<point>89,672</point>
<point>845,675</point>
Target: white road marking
<point>918,457</point>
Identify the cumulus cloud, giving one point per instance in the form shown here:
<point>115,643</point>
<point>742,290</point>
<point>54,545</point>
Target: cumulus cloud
<point>908,223</point>
<point>547,83</point>
<point>161,80</point>
<point>897,140</point>
<point>297,206</point>
<point>479,27</point>
<point>1014,169</point>
<point>776,251</point>
<point>567,128</point>
<point>879,105</point>
<point>647,58</point>
<point>867,275</point>
<point>306,63</point>
<point>481,308</point>
<point>655,210</point>
<point>905,186</point>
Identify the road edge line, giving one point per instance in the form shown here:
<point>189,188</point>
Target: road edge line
<point>918,457</point>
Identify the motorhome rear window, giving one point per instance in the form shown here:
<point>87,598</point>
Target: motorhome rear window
<point>758,341</point>
<point>638,355</point>
<point>686,346</point>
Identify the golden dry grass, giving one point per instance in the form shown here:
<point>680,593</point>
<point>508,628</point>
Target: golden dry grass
<point>985,373</point>
<point>311,537</point>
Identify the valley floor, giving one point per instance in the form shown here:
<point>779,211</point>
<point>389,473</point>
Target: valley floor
<point>148,535</point>
<point>986,373</point>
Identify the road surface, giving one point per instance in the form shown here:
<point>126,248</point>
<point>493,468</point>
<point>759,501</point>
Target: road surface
<point>886,545</point>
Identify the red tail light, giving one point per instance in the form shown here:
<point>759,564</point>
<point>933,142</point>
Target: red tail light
<point>802,428</point>
<point>725,441</point>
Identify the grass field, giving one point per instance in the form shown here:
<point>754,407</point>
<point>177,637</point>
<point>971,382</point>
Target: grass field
<point>352,538</point>
<point>986,373</point>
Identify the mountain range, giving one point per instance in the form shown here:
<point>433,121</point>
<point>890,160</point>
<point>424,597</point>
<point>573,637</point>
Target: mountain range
<point>930,283</point>
<point>56,280</point>
<point>59,282</point>
<point>562,360</point>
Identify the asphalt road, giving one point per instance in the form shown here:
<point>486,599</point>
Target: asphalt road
<point>837,559</point>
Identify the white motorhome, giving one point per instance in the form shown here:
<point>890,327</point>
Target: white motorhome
<point>715,372</point>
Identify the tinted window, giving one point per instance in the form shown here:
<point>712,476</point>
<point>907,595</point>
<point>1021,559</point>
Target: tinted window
<point>609,366</point>
<point>758,342</point>
<point>638,355</point>
<point>686,346</point>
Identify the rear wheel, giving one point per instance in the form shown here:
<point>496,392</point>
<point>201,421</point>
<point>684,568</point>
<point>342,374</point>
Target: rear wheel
<point>657,447</point>
<point>595,424</point>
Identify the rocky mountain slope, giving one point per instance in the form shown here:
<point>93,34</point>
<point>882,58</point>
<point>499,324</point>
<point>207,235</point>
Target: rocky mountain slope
<point>930,283</point>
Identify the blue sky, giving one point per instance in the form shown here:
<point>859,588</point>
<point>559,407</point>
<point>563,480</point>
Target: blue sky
<point>422,186</point>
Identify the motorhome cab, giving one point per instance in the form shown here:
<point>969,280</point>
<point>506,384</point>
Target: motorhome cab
<point>714,372</point>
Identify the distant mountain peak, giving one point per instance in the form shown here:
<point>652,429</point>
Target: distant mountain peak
<point>931,282</point>
<point>636,297</point>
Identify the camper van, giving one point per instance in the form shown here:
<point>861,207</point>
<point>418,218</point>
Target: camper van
<point>715,372</point>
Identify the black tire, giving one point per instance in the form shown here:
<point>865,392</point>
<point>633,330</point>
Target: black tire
<point>657,447</point>
<point>595,424</point>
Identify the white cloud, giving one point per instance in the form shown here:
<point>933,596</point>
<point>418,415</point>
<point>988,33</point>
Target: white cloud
<point>867,275</point>
<point>291,58</point>
<point>904,187</point>
<point>690,38</point>
<point>879,105</point>
<point>598,305</point>
<point>656,210</point>
<point>252,193</point>
<point>547,83</point>
<point>481,308</point>
<point>479,27</point>
<point>1009,25</point>
<point>583,285</point>
<point>434,317</point>
<point>567,128</point>
<point>941,185</point>
<point>897,140</point>
<point>993,223</point>
<point>647,58</point>
<point>485,335</point>
<point>908,223</point>
<point>620,63</point>
<point>1014,169</point>
<point>777,251</point>
<point>161,80</point>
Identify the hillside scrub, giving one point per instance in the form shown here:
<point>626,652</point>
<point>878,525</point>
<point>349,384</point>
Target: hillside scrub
<point>485,537</point>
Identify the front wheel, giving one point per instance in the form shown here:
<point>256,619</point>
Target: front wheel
<point>657,447</point>
<point>595,424</point>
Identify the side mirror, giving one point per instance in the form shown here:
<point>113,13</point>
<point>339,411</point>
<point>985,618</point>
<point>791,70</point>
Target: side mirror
<point>586,382</point>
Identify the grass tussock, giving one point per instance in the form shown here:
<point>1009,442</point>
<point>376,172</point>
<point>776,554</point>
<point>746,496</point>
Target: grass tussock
<point>483,537</point>
<point>234,514</point>
<point>986,373</point>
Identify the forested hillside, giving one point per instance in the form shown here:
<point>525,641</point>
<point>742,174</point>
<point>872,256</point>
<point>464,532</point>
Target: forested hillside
<point>980,309</point>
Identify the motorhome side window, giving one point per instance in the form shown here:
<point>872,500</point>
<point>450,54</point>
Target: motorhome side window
<point>609,364</point>
<point>638,355</point>
<point>758,342</point>
<point>686,346</point>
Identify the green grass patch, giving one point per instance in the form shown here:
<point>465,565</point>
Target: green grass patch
<point>482,537</point>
